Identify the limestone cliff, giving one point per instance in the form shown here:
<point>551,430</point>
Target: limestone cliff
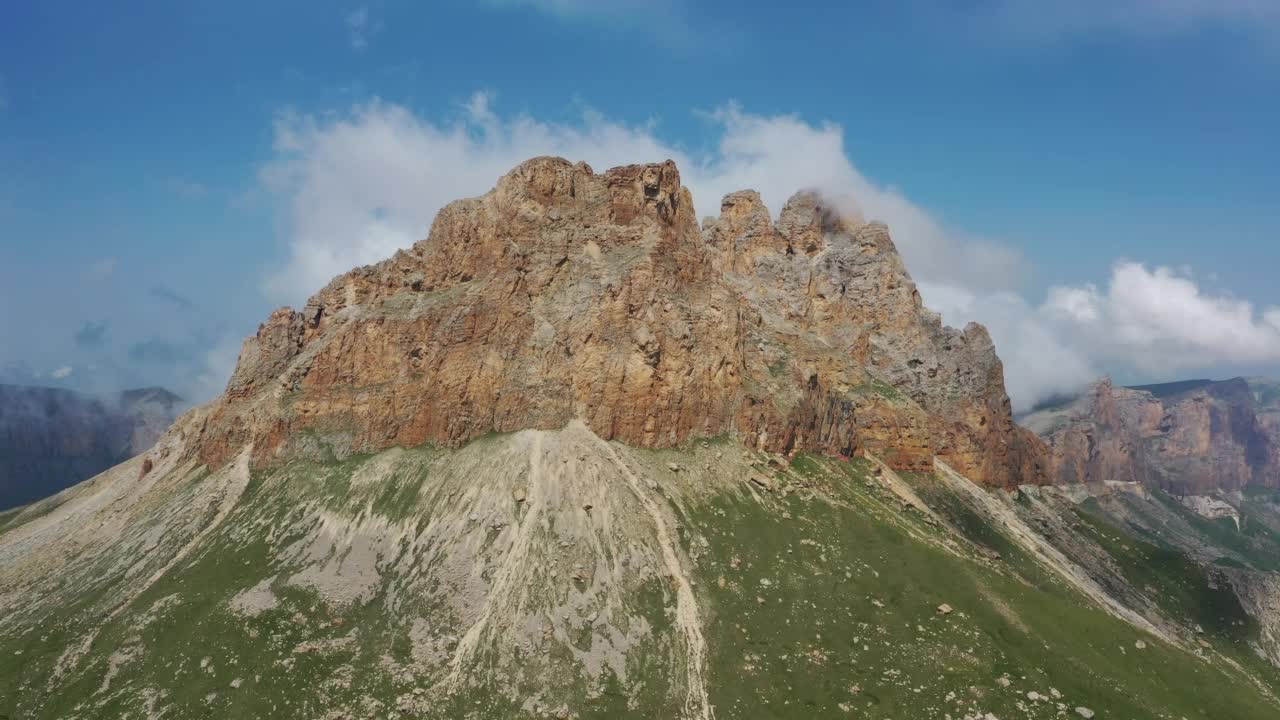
<point>1189,437</point>
<point>565,295</point>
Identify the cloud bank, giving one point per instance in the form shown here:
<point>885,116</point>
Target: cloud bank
<point>358,187</point>
<point>354,188</point>
<point>1151,322</point>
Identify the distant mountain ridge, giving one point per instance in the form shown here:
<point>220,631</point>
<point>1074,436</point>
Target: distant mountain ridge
<point>1188,437</point>
<point>52,438</point>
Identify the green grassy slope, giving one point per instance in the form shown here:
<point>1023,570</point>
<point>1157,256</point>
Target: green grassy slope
<point>819,598</point>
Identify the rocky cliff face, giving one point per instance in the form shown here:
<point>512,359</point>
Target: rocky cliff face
<point>51,439</point>
<point>567,295</point>
<point>1266,406</point>
<point>1191,437</point>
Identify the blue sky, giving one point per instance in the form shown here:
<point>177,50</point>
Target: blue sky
<point>1102,178</point>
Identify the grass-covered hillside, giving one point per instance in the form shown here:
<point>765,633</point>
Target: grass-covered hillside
<point>552,574</point>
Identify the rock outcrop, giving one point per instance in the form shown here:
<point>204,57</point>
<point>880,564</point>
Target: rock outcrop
<point>565,295</point>
<point>1190,437</point>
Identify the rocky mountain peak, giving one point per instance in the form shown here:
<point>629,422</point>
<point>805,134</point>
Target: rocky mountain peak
<point>551,188</point>
<point>564,294</point>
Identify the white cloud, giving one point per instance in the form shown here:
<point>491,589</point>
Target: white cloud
<point>1039,362</point>
<point>1149,322</point>
<point>1272,317</point>
<point>780,154</point>
<point>62,372</point>
<point>360,187</point>
<point>357,187</point>
<point>1162,320</point>
<point>218,364</point>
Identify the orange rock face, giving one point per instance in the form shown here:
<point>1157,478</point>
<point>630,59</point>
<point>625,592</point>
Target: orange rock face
<point>1191,437</point>
<point>564,294</point>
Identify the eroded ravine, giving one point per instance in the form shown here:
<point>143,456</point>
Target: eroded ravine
<point>511,575</point>
<point>688,618</point>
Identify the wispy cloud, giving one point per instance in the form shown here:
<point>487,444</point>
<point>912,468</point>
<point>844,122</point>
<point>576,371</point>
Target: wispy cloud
<point>668,21</point>
<point>1043,18</point>
<point>361,27</point>
<point>186,189</point>
<point>158,351</point>
<point>91,335</point>
<point>613,12</point>
<point>102,269</point>
<point>218,363</point>
<point>62,373</point>
<point>172,296</point>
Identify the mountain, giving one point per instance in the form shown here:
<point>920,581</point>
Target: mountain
<point>1190,437</point>
<point>52,438</point>
<point>1192,467</point>
<point>576,455</point>
<point>564,294</point>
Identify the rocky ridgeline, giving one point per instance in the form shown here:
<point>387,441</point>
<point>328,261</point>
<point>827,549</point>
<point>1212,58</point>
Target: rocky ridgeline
<point>1191,437</point>
<point>564,294</point>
